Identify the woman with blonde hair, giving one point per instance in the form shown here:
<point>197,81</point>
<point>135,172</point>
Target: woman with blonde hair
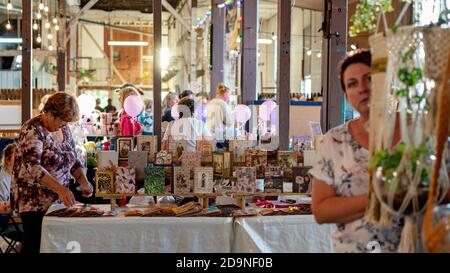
<point>43,167</point>
<point>218,114</point>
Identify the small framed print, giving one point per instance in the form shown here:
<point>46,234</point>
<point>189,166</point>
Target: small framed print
<point>316,128</point>
<point>302,180</point>
<point>287,187</point>
<point>104,181</point>
<point>182,180</point>
<point>148,144</point>
<point>274,184</point>
<point>273,171</point>
<point>222,164</point>
<point>125,180</point>
<point>106,158</point>
<point>191,160</point>
<point>287,160</point>
<point>163,158</point>
<point>246,179</point>
<point>203,180</point>
<point>155,180</point>
<point>258,159</point>
<point>206,148</point>
<point>138,160</point>
<point>124,146</point>
<point>238,147</point>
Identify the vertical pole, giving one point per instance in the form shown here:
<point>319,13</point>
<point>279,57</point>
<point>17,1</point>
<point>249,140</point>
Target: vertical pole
<point>249,51</point>
<point>334,50</point>
<point>283,75</point>
<point>193,82</point>
<point>157,69</point>
<point>27,59</point>
<point>73,54</point>
<point>218,45</point>
<point>61,61</point>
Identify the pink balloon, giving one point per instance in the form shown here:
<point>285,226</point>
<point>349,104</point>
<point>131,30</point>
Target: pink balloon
<point>266,109</point>
<point>273,117</point>
<point>133,105</point>
<point>174,111</point>
<point>242,113</point>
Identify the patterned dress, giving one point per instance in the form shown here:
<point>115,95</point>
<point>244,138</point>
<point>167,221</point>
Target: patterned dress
<point>39,154</point>
<point>343,166</point>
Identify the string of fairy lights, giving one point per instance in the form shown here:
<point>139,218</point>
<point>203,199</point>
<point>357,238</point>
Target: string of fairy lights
<point>45,16</point>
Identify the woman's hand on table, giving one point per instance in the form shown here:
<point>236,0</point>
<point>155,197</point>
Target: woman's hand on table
<point>66,197</point>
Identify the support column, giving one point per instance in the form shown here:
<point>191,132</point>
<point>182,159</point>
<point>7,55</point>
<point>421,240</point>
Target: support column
<point>249,51</point>
<point>284,72</point>
<point>157,10</point>
<point>73,60</point>
<point>61,61</point>
<point>27,59</point>
<point>334,50</point>
<point>193,49</point>
<point>218,45</point>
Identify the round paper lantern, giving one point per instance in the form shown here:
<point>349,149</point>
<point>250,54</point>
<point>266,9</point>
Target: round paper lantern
<point>86,103</point>
<point>242,113</point>
<point>266,109</point>
<point>133,105</point>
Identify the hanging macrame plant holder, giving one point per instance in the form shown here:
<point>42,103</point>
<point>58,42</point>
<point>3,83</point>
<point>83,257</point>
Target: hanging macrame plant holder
<point>410,86</point>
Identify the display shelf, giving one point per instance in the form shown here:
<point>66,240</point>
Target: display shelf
<point>203,197</point>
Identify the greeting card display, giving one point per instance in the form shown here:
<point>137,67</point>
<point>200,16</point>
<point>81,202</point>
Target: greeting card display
<point>182,180</point>
<point>245,179</point>
<point>203,180</point>
<point>124,146</point>
<point>138,160</point>
<point>257,159</point>
<point>287,160</point>
<point>222,164</point>
<point>155,180</point>
<point>224,185</point>
<point>302,179</point>
<point>206,148</point>
<point>125,180</point>
<point>148,144</point>
<point>104,181</point>
<point>191,160</point>
<point>105,158</point>
<point>163,158</point>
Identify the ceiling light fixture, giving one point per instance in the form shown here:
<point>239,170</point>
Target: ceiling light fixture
<point>127,43</point>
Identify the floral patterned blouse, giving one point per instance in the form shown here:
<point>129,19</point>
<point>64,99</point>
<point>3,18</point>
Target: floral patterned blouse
<point>343,166</point>
<point>39,154</point>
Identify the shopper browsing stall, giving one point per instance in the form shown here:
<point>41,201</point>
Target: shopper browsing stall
<point>128,125</point>
<point>43,166</point>
<point>219,118</point>
<point>6,170</point>
<point>341,180</point>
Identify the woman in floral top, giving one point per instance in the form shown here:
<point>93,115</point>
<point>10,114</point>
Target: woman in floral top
<point>341,180</point>
<point>44,164</point>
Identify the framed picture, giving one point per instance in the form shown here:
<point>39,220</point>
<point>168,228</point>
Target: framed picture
<point>148,144</point>
<point>272,171</point>
<point>287,160</point>
<point>287,187</point>
<point>104,182</point>
<point>222,164</point>
<point>191,160</point>
<point>238,147</point>
<point>105,158</point>
<point>125,180</point>
<point>154,180</point>
<point>274,184</point>
<point>138,160</point>
<point>302,179</point>
<point>206,148</point>
<point>182,180</point>
<point>163,158</point>
<point>203,180</point>
<point>124,146</point>
<point>258,159</point>
<point>246,179</point>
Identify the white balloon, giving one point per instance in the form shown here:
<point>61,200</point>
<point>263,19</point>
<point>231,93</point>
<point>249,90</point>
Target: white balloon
<point>86,103</point>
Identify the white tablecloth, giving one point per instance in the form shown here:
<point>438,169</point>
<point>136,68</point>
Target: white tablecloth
<point>276,234</point>
<point>137,234</point>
